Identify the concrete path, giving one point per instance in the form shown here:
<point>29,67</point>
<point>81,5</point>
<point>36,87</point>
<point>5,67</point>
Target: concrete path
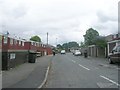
<point>28,75</point>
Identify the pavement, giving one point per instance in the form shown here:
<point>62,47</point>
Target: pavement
<point>27,75</point>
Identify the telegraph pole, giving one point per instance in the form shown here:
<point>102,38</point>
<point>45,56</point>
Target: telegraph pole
<point>47,38</point>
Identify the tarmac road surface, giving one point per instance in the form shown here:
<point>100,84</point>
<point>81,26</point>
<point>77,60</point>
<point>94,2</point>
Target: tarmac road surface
<point>68,71</point>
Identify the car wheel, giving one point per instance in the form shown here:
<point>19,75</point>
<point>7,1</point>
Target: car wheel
<point>110,61</point>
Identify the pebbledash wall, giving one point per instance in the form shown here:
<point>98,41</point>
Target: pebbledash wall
<point>16,52</point>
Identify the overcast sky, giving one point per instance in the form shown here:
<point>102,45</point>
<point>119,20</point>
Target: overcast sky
<point>64,20</point>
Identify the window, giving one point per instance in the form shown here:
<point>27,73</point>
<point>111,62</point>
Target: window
<point>115,49</point>
<point>32,43</point>
<point>11,41</point>
<point>22,43</point>
<point>118,49</point>
<point>44,45</point>
<point>35,44</point>
<point>118,35</point>
<point>5,40</point>
<point>19,43</point>
<point>39,45</point>
<point>114,36</point>
<point>15,42</point>
<point>12,56</point>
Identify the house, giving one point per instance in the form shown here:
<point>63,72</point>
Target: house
<point>113,41</point>
<point>16,51</point>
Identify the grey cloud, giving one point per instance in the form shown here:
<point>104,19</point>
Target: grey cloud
<point>107,28</point>
<point>14,12</point>
<point>19,12</point>
<point>65,21</point>
<point>105,17</point>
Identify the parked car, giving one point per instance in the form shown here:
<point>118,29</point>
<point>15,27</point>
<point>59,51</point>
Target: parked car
<point>115,55</point>
<point>77,53</point>
<point>63,52</point>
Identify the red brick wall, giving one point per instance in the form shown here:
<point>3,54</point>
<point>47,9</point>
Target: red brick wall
<point>49,50</point>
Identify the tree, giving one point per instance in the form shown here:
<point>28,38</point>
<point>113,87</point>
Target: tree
<point>69,45</point>
<point>101,42</point>
<point>65,46</point>
<point>82,44</point>
<point>90,36</point>
<point>35,38</point>
<point>59,46</point>
<point>73,44</point>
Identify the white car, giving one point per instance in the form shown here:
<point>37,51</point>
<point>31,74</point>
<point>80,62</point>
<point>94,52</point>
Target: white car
<point>77,53</point>
<point>62,51</point>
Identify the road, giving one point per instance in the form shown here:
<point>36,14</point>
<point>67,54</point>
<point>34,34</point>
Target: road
<point>68,71</point>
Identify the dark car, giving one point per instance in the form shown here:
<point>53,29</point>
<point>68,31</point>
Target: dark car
<point>115,55</point>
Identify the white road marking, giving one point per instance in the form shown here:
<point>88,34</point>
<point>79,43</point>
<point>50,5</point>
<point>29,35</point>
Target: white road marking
<point>45,79</point>
<point>110,80</point>
<point>84,67</point>
<point>73,61</point>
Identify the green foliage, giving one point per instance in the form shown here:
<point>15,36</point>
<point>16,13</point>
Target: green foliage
<point>73,44</point>
<point>35,38</point>
<point>59,47</point>
<point>67,46</point>
<point>70,45</point>
<point>90,36</point>
<point>82,44</point>
<point>101,42</point>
